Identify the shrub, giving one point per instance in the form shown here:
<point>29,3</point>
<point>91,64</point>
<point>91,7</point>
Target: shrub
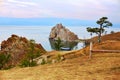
<point>27,63</point>
<point>43,62</point>
<point>58,44</point>
<point>58,57</point>
<point>32,53</point>
<point>37,54</point>
<point>24,63</point>
<point>33,63</point>
<point>4,58</point>
<point>112,32</point>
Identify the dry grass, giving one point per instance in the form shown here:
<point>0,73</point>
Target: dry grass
<point>101,67</point>
<point>107,45</point>
<point>111,37</point>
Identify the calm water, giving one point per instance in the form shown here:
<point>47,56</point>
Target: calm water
<point>41,33</point>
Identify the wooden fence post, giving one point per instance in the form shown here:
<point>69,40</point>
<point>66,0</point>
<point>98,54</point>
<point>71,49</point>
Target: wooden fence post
<point>90,54</point>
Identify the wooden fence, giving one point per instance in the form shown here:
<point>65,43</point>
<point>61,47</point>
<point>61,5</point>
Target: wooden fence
<point>101,51</point>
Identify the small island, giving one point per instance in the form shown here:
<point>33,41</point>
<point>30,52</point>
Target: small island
<point>64,37</point>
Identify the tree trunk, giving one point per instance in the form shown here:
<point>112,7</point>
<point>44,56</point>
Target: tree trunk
<point>99,35</point>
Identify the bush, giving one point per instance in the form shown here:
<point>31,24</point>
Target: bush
<point>112,32</point>
<point>32,53</point>
<point>37,54</point>
<point>33,63</point>
<point>24,63</point>
<point>4,58</point>
<point>58,44</point>
<point>27,63</point>
<point>43,62</point>
<point>58,57</point>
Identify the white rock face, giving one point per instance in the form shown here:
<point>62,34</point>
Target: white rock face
<point>59,31</point>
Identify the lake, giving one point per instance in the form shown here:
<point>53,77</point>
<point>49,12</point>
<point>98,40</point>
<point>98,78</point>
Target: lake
<point>41,33</point>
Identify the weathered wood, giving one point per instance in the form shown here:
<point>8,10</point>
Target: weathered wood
<point>106,51</point>
<point>90,55</point>
<point>101,51</point>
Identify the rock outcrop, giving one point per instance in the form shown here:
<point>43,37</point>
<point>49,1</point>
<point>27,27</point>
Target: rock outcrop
<point>59,31</point>
<point>18,47</point>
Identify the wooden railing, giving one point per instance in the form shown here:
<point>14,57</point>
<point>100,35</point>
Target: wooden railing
<point>106,51</point>
<point>101,51</point>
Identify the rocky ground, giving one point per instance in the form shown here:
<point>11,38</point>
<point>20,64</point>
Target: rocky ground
<point>18,47</point>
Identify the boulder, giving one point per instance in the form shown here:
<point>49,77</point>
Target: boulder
<point>59,31</point>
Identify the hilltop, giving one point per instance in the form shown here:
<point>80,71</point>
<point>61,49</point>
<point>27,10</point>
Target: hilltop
<point>18,48</point>
<point>110,37</point>
<point>76,66</point>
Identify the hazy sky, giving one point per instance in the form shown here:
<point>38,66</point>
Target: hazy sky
<point>76,9</point>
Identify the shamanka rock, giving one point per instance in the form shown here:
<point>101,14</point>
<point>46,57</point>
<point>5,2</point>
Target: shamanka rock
<point>59,31</point>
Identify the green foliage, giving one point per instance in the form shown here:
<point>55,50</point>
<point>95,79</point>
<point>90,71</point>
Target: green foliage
<point>95,30</point>
<point>58,57</point>
<point>43,62</point>
<point>31,50</point>
<point>4,58</point>
<point>32,53</point>
<point>58,44</point>
<point>27,63</point>
<point>112,32</point>
<point>103,24</point>
<point>33,63</point>
<point>38,53</point>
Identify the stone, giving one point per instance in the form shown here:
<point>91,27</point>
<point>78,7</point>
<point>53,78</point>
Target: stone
<point>59,31</point>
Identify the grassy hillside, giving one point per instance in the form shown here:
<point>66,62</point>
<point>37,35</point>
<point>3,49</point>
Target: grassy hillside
<point>101,67</point>
<point>76,66</point>
<point>113,36</point>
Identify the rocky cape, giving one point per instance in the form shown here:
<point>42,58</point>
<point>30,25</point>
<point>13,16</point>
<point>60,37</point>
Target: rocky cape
<point>18,47</point>
<point>59,31</point>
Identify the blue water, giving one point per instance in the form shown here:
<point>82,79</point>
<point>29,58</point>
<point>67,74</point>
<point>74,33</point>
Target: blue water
<point>41,33</point>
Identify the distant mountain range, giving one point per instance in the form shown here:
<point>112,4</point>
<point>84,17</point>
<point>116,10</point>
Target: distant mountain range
<point>46,22</point>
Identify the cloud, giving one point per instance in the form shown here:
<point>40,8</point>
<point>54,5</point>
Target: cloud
<point>85,9</point>
<point>21,3</point>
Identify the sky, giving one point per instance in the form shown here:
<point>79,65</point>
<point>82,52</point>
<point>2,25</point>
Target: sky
<point>69,9</point>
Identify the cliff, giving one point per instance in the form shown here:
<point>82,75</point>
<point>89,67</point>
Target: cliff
<point>59,31</point>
